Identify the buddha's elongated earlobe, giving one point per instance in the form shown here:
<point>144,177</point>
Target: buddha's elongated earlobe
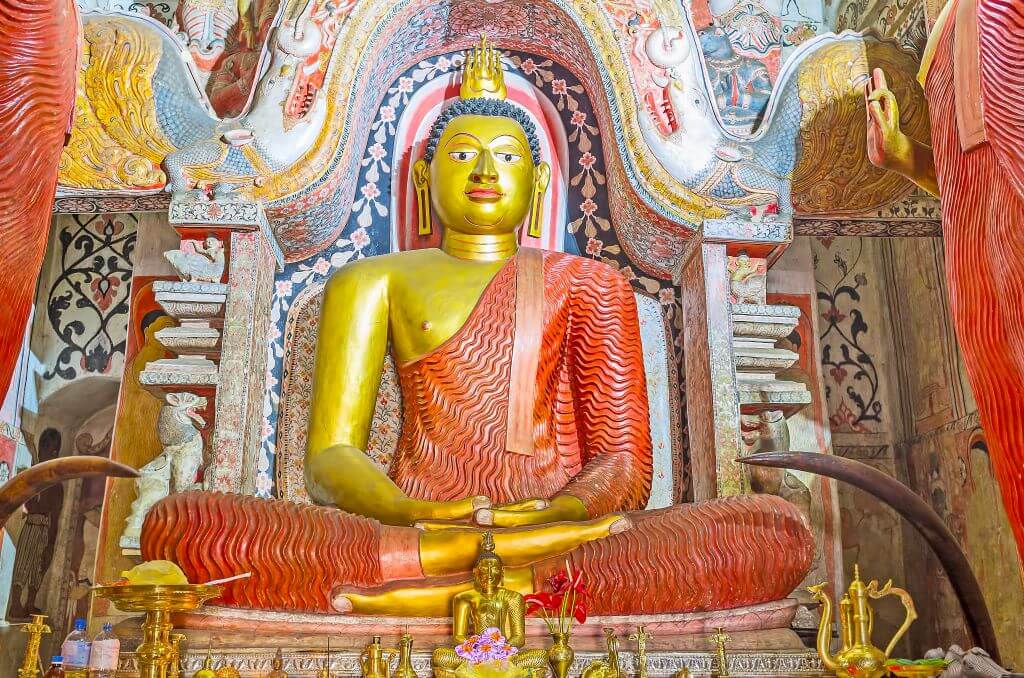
<point>540,188</point>
<point>421,182</point>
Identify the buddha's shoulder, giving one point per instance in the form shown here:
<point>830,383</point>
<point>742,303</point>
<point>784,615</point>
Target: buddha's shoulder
<point>384,267</point>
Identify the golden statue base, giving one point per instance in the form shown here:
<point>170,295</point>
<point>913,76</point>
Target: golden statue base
<point>751,654</point>
<point>306,663</point>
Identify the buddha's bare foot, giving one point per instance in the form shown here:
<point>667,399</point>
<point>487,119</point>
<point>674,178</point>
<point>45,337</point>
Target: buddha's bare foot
<point>342,604</point>
<point>620,523</point>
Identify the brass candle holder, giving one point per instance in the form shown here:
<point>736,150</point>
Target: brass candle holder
<point>156,652</point>
<point>35,630</point>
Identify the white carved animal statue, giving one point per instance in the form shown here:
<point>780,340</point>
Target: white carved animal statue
<point>179,427</point>
<point>206,264</point>
<point>152,485</point>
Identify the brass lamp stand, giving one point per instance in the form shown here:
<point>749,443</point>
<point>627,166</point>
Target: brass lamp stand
<point>156,652</point>
<point>35,630</point>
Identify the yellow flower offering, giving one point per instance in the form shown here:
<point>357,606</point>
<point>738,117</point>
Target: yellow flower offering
<point>154,572</point>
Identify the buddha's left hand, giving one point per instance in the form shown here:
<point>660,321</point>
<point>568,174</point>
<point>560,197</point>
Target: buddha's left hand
<point>563,507</point>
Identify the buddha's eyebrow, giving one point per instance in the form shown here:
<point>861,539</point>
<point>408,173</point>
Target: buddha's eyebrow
<point>459,137</point>
<point>509,138</point>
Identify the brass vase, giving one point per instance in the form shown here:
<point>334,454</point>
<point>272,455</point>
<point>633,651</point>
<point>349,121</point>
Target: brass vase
<point>560,655</point>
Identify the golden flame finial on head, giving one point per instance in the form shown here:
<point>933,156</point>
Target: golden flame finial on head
<point>482,75</point>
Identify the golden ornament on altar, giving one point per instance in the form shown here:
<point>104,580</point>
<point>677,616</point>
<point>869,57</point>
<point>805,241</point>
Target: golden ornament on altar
<point>857,656</point>
<point>35,630</point>
<point>375,660</point>
<point>609,666</point>
<point>721,668</point>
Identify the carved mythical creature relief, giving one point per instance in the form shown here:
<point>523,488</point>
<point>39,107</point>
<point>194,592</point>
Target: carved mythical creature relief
<point>812,115</point>
<point>140,126</point>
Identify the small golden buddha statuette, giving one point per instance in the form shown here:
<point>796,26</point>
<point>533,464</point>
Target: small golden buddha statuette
<point>276,666</point>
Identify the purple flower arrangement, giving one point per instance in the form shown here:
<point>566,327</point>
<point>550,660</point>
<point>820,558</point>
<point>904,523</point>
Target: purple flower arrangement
<point>488,646</point>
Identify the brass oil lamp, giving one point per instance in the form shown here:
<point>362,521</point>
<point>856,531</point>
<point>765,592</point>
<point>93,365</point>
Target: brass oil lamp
<point>857,657</point>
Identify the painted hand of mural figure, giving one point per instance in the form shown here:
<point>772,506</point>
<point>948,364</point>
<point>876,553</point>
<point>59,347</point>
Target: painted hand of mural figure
<point>804,110</point>
<point>888,147</point>
<point>976,164</point>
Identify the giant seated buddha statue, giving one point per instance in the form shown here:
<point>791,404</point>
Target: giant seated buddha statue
<point>525,413</point>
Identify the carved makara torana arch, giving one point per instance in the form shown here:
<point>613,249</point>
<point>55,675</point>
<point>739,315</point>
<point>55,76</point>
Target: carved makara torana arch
<point>308,206</point>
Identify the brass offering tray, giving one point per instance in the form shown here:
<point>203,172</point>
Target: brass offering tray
<point>916,670</point>
<point>158,655</point>
<point>159,597</point>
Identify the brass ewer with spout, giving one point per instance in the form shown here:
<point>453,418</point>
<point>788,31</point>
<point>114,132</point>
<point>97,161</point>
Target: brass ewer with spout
<point>857,657</point>
<point>375,660</point>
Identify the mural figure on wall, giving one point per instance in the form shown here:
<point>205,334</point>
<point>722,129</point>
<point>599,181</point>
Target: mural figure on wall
<point>977,167</point>
<point>38,537</point>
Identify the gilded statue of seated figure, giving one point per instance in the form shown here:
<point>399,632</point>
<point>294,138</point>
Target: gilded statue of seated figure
<point>521,372</point>
<point>524,410</point>
<point>489,605</point>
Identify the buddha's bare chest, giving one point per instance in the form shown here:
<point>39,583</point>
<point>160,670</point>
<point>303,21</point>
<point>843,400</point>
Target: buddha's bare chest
<point>428,307</point>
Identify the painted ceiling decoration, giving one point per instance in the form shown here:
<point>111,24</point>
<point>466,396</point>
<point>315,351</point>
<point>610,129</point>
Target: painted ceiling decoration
<point>673,114</point>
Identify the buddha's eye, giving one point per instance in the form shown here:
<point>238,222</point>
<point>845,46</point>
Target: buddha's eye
<point>462,156</point>
<point>507,157</point>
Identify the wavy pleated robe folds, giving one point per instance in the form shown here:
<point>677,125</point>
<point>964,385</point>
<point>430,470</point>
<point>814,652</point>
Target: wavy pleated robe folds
<point>982,193</point>
<point>38,67</point>
<point>590,428</point>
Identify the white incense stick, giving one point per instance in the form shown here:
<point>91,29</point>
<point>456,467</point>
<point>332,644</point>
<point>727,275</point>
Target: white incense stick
<point>227,579</point>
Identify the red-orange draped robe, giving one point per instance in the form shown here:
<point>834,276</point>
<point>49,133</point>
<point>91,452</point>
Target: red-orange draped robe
<point>38,67</point>
<point>982,193</point>
<point>591,433</point>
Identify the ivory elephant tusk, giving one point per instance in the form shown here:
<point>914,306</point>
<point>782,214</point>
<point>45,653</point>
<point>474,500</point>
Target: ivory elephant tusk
<point>919,514</point>
<point>32,481</point>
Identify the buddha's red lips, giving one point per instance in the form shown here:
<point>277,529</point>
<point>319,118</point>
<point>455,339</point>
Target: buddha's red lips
<point>483,194</point>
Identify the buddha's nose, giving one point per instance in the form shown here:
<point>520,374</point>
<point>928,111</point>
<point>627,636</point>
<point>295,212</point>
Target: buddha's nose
<point>484,172</point>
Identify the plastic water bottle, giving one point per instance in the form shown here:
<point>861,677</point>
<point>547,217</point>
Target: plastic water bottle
<point>75,649</point>
<point>56,669</point>
<point>106,649</point>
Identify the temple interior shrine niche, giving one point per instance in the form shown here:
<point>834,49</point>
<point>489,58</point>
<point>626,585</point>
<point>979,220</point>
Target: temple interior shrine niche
<point>512,338</point>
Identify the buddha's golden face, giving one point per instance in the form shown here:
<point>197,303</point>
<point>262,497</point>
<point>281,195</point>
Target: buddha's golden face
<point>482,177</point>
<point>488,574</point>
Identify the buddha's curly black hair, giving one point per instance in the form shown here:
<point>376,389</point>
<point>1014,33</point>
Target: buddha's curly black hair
<point>498,107</point>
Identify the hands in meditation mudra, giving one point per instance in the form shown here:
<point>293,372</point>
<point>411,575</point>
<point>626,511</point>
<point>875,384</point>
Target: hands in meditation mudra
<point>524,413</point>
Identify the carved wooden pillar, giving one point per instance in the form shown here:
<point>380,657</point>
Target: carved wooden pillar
<point>243,363</point>
<point>253,256</point>
<point>712,402</point>
<point>722,339</point>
